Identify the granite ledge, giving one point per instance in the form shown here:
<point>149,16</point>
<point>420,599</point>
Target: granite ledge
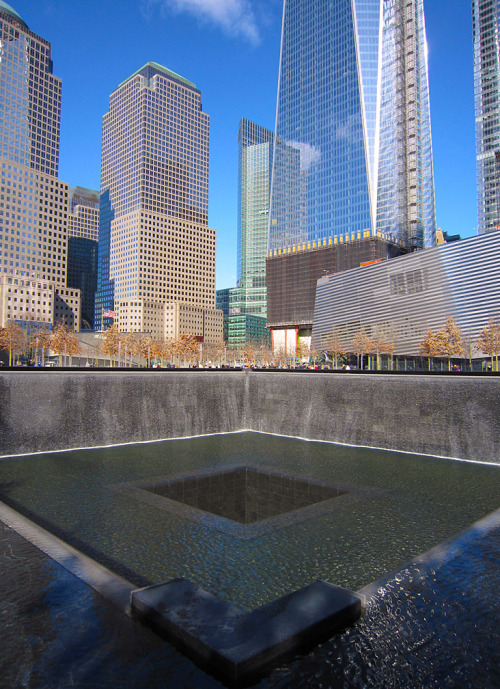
<point>237,645</point>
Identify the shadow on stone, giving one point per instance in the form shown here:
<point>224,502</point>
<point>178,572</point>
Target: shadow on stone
<point>241,646</point>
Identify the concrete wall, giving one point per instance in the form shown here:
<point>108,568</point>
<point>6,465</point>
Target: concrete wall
<point>445,415</point>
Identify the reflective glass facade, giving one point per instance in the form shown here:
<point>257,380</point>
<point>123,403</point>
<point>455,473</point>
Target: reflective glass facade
<point>255,145</point>
<point>353,151</point>
<point>82,274</point>
<point>83,233</point>
<point>485,27</point>
<point>405,195</point>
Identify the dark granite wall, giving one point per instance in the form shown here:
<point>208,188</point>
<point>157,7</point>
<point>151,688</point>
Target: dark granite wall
<point>444,415</point>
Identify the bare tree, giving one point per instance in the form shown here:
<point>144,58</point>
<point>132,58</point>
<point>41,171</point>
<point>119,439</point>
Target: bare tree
<point>381,345</point>
<point>41,340</point>
<point>280,356</point>
<point>72,346</point>
<point>265,355</point>
<point>12,338</point>
<point>187,348</point>
<point>314,354</point>
<point>430,346</point>
<point>334,347</point>
<point>249,353</point>
<point>450,340</point>
<point>110,344</point>
<point>361,344</point>
<point>303,350</point>
<point>214,351</point>
<point>489,342</point>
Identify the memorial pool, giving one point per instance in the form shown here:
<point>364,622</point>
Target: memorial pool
<point>392,507</point>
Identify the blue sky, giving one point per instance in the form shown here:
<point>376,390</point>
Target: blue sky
<point>230,49</point>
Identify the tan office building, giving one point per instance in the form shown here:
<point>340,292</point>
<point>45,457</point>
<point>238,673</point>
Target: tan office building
<point>33,201</point>
<point>83,219</point>
<point>155,247</point>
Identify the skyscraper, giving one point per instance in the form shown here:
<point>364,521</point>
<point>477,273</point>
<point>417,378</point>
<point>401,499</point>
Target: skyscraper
<point>255,144</point>
<point>33,213</point>
<point>485,28</point>
<point>155,246</point>
<point>83,233</point>
<point>353,153</point>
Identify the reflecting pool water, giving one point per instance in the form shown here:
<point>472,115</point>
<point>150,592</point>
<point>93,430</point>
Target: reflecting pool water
<point>388,508</point>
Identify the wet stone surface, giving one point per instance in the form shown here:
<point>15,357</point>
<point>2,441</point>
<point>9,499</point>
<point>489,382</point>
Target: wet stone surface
<point>424,630</point>
<point>238,645</point>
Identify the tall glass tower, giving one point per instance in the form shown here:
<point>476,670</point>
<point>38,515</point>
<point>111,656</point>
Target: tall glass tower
<point>353,154</point>
<point>485,27</point>
<point>255,148</point>
<point>405,184</point>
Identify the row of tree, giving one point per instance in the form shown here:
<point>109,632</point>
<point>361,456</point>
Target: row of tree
<point>448,342</point>
<point>121,348</point>
<point>61,340</point>
<point>130,349</point>
<point>361,344</point>
<point>125,349</point>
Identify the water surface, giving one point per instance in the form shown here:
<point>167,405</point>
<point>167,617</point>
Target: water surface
<point>405,505</point>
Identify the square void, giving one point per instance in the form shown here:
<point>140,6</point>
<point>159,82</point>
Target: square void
<point>245,495</point>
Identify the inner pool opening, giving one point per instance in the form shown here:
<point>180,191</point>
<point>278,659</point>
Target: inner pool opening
<point>245,495</point>
<point>380,510</point>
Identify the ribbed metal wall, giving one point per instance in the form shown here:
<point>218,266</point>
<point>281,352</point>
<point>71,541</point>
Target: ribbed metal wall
<point>403,297</point>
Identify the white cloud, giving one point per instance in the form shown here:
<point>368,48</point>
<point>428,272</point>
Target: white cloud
<point>234,17</point>
<point>309,154</point>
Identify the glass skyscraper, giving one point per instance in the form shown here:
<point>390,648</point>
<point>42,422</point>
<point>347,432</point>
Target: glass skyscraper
<point>353,154</point>
<point>83,233</point>
<point>485,27</point>
<point>255,147</point>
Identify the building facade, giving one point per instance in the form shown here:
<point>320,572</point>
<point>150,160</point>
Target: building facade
<point>245,306</point>
<point>292,276</point>
<point>255,146</point>
<point>83,235</point>
<point>353,152</point>
<point>402,299</point>
<point>155,246</point>
<point>84,213</point>
<point>485,28</point>
<point>33,201</point>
